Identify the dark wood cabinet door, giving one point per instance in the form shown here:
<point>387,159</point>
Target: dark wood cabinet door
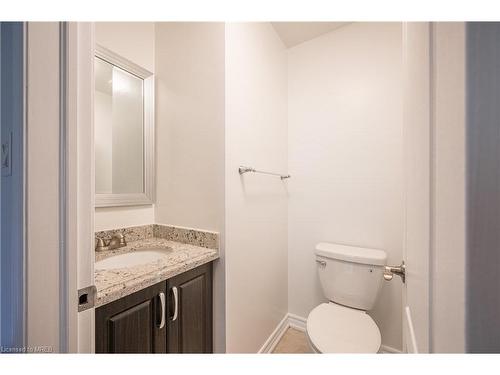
<point>190,311</point>
<point>132,324</point>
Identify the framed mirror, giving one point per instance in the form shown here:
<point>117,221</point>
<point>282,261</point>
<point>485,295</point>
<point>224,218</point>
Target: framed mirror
<point>123,131</point>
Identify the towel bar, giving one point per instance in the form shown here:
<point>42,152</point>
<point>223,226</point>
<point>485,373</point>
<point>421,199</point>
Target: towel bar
<point>242,169</point>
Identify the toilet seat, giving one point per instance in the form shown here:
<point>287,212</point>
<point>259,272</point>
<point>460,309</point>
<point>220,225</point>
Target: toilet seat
<point>333,328</point>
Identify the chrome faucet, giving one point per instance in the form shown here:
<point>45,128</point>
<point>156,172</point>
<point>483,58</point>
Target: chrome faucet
<point>117,241</point>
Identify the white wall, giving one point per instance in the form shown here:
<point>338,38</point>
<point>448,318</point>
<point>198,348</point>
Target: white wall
<point>256,205</point>
<point>190,137</point>
<point>134,41</point>
<point>190,124</point>
<point>346,158</point>
<point>122,217</point>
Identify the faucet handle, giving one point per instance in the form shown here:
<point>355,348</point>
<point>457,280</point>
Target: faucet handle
<point>121,237</point>
<point>118,240</point>
<point>101,244</point>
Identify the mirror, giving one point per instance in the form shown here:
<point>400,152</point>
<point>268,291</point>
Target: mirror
<point>123,121</point>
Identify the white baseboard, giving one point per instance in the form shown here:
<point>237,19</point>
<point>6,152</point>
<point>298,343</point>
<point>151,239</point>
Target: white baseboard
<point>275,337</point>
<point>299,323</point>
<point>384,349</point>
<point>288,321</point>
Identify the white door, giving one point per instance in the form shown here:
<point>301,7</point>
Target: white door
<point>417,132</point>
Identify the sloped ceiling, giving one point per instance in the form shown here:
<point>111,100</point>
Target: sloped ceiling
<point>293,33</point>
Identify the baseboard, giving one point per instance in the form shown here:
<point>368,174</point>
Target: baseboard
<point>275,337</point>
<point>288,321</point>
<point>299,323</point>
<point>384,349</point>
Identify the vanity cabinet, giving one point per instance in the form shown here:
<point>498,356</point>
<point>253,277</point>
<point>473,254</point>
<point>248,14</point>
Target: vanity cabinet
<point>134,324</point>
<point>190,311</point>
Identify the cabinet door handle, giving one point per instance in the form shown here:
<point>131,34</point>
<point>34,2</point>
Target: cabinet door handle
<point>162,301</point>
<point>176,303</point>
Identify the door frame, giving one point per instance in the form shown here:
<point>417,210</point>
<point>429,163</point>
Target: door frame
<point>434,133</point>
<point>79,102</point>
<point>44,297</point>
<point>60,188</point>
<point>417,172</point>
<point>448,231</point>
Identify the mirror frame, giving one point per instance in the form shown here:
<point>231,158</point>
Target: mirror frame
<point>147,197</point>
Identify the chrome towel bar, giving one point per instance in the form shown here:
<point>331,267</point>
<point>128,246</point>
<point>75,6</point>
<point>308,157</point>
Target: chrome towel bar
<point>242,169</point>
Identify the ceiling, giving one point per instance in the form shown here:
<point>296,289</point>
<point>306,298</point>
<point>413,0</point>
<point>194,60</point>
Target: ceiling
<point>293,33</point>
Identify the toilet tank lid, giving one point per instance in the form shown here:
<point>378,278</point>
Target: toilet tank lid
<point>353,254</point>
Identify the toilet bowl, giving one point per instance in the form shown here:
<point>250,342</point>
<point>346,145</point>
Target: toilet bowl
<point>351,278</point>
<point>333,328</point>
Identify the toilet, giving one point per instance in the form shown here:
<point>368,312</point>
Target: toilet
<point>351,278</point>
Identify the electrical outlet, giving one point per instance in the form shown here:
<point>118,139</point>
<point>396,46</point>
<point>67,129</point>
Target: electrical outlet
<point>6,157</point>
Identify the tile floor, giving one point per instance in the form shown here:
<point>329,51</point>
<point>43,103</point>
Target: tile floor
<point>293,341</point>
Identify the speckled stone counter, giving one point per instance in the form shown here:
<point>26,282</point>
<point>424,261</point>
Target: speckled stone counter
<point>115,283</point>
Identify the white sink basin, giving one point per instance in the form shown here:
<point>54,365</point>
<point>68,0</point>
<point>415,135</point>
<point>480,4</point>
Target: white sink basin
<point>135,258</point>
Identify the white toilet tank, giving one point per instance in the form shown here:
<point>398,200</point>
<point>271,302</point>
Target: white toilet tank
<point>351,276</point>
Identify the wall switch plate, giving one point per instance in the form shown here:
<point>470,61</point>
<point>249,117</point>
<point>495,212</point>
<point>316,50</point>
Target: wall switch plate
<point>6,156</point>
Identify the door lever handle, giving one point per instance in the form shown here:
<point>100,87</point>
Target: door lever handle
<point>390,271</point>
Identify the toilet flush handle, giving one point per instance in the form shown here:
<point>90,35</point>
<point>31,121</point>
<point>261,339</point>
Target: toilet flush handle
<point>390,271</point>
<point>322,263</point>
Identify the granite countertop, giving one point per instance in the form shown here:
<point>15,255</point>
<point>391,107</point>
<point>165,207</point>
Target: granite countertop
<point>113,284</point>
